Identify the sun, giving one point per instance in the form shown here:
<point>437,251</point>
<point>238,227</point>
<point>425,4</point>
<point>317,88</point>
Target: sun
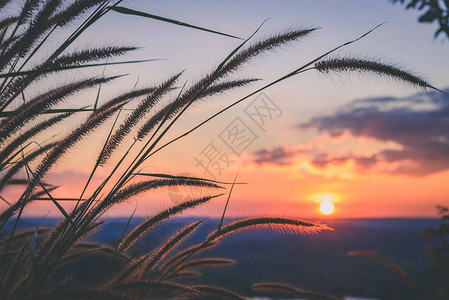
<point>326,201</point>
<point>326,207</point>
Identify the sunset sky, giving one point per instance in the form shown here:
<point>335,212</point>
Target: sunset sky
<point>371,146</point>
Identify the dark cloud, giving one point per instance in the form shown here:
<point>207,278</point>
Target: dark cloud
<point>279,156</point>
<point>420,124</point>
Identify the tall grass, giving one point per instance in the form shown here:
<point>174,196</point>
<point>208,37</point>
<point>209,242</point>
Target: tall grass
<point>30,258</point>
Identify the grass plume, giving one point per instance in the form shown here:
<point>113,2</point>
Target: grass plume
<point>183,254</point>
<point>205,262</point>
<point>137,114</point>
<point>218,292</point>
<point>280,223</point>
<point>140,187</point>
<point>151,262</point>
<point>132,237</point>
<point>346,64</point>
<point>291,291</point>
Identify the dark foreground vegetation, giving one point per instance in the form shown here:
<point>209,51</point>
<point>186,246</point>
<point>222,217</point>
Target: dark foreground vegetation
<point>318,262</point>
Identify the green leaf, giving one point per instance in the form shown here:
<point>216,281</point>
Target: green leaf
<point>127,11</point>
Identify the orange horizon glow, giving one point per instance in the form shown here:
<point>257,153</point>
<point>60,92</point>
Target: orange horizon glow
<point>374,196</point>
<point>321,162</point>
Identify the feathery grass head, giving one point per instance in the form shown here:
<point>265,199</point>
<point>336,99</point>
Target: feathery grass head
<point>186,274</point>
<point>279,223</point>
<point>39,104</point>
<point>38,26</point>
<point>127,97</point>
<point>33,131</point>
<point>3,3</point>
<point>75,293</point>
<point>99,248</point>
<point>88,55</point>
<point>17,166</point>
<point>195,93</point>
<point>291,291</point>
<point>218,292</point>
<point>95,120</point>
<point>264,45</point>
<point>153,260</point>
<point>73,11</point>
<point>140,187</point>
<point>137,114</point>
<point>393,267</point>
<point>185,253</point>
<point>205,262</point>
<point>155,287</point>
<point>19,83</point>
<point>134,235</point>
<point>347,64</point>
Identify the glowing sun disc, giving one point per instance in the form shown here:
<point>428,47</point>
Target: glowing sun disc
<point>326,207</point>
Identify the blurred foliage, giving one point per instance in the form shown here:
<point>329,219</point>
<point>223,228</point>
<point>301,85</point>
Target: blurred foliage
<point>435,282</point>
<point>433,10</point>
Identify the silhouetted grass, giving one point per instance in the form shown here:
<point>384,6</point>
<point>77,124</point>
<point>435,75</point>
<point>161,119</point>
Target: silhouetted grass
<point>33,256</point>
